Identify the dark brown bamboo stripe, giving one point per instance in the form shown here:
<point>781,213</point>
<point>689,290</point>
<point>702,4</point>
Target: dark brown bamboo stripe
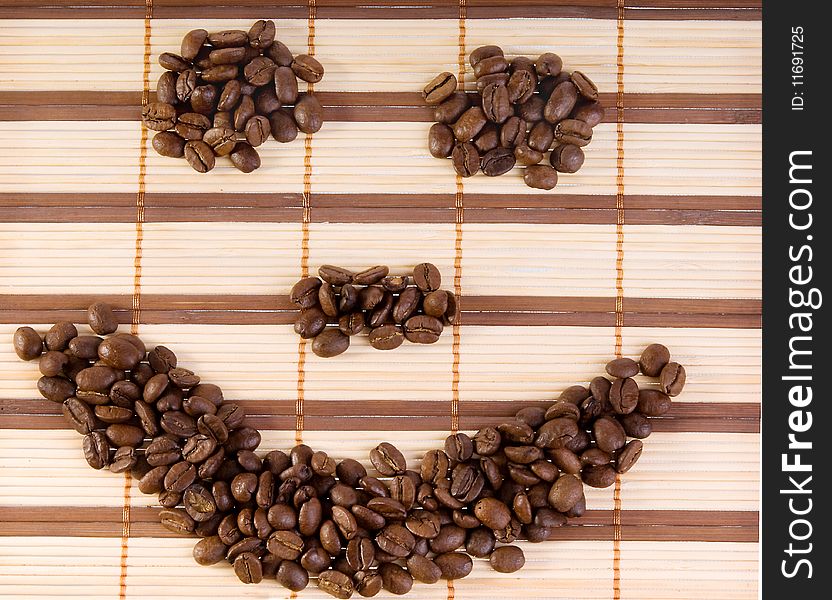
<point>385,9</point>
<point>427,415</point>
<point>740,211</point>
<point>477,310</point>
<point>640,525</point>
<point>383,107</point>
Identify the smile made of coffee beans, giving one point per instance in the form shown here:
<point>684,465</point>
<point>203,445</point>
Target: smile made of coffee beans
<point>522,110</point>
<point>226,92</point>
<point>341,303</point>
<point>291,516</point>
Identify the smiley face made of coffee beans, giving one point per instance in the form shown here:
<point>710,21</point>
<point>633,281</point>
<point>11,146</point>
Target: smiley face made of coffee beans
<point>289,516</point>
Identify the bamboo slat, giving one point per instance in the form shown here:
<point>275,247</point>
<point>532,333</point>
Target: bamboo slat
<point>677,471</point>
<point>259,362</point>
<point>660,56</point>
<point>67,156</point>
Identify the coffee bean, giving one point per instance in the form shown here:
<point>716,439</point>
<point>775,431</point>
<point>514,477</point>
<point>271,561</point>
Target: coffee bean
<point>561,102</point>
<point>388,460</point>
<point>513,132</point>
<point>307,68</point>
<point>542,177</point>
<point>52,363</point>
<point>113,414</point>
<point>305,292</point>
<point>385,337</point>
<point>495,103</point>
<point>490,65</point>
<point>221,140</point>
<point>423,329</point>
<point>119,353</point>
<point>567,158</point>
<point>257,130</point>
<point>57,338</point>
<point>672,379</point>
<point>183,378</point>
<point>200,156</point>
<point>285,544</point>
<point>228,39</point>
<point>168,143</point>
<point>452,108</point>
<point>492,513</point>
<point>331,342</point>
<point>498,162</point>
<point>204,99</point>
<point>245,110</point>
<point>602,476</point>
<point>572,131</point>
<point>532,110</point>
<point>609,434</point>
<point>285,85</point>
<point>186,83</point>
<point>492,79</point>
<point>371,276</point>
<point>541,137</point>
<point>488,138</point>
<point>158,116</point>
<point>653,359</point>
<point>585,86</point>
<point>507,559</point>
<point>565,493</point>
<point>261,34</point>
<point>427,277</point>
<point>192,43</point>
<point>56,389</point>
<point>469,124</point>
<point>336,584</point>
<point>353,323</point>
<point>454,565</point>
<point>440,140</point>
<point>549,64</point>
<point>590,113</point>
<point>79,415</point>
<point>96,450</point>
<point>173,62</point>
<point>653,403</point>
<point>310,322</point>
<point>624,394</point>
<point>199,503</point>
<point>227,56</point>
<point>636,425</point>
<point>308,114</point>
<point>516,431</point>
<point>487,441</point>
<point>527,156</point>
<point>521,85</point>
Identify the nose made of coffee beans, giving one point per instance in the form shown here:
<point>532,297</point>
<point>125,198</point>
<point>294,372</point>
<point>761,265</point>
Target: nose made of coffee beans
<point>522,110</point>
<point>340,303</point>
<point>225,93</point>
<point>352,527</point>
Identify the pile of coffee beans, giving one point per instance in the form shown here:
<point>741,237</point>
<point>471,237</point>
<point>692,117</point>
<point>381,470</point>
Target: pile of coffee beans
<point>340,303</point>
<point>291,516</point>
<point>522,110</point>
<point>225,92</point>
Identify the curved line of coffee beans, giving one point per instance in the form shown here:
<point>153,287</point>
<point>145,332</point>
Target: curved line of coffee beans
<point>225,92</point>
<point>339,304</point>
<point>523,109</point>
<point>286,516</point>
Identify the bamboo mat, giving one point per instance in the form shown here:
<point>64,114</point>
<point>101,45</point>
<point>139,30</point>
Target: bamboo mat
<point>658,238</point>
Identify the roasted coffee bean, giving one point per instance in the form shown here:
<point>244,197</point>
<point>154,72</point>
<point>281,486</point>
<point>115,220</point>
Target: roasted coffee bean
<point>486,441</point>
<point>382,312</point>
<point>101,318</point>
<point>541,137</point>
<point>331,342</point>
<point>488,138</point>
<point>532,110</point>
<point>243,438</point>
<point>285,85</point>
<point>228,39</point>
<point>119,353</point>
<point>385,337</point>
<point>170,144</point>
<point>585,85</point>
<point>199,503</point>
<point>440,88</point>
<point>200,156</point>
<point>261,34</point>
<point>396,540</point>
<point>492,513</point>
<point>572,131</point>
<point>628,456</point>
<point>248,568</point>
<point>120,434</point>
<point>454,565</point>
<point>435,303</point>
<point>158,116</point>
<point>309,114</point>
<point>590,113</point>
<point>192,126</point>
<point>204,99</point>
<point>79,415</point>
<point>245,110</point>
<point>609,434</point>
<point>556,432</point>
<point>209,551</point>
<point>336,584</point>
<point>542,177</point>
<point>672,379</point>
<point>57,338</point>
<point>523,455</point>
<point>561,102</point>
<point>423,329</point>
<point>567,158</point>
<point>594,457</point>
<point>370,276</point>
<point>336,276</point>
<point>96,450</point>
<point>227,56</point>
<point>484,52</point>
<point>624,395</point>
<point>636,425</point>
<point>192,43</point>
<point>452,108</point>
<point>407,304</point>
<point>350,471</point>
<point>186,83</point>
<point>56,389</point>
<point>469,124</point>
<point>257,130</point>
<point>221,140</point>
<point>652,361</point>
<point>498,162</point>
<point>245,157</point>
<point>113,414</point>
<point>427,277</point>
<point>388,460</point>
<point>516,431</point>
<point>521,85</point>
<point>183,378</point>
<point>125,459</point>
<point>230,95</point>
<point>345,521</point>
<point>507,559</point>
<point>285,544</point>
<point>495,103</point>
<point>305,292</point>
<point>459,447</point>
<point>527,157</point>
<point>598,476</point>
<point>565,493</point>
<point>653,403</point>
<point>307,68</point>
<point>173,62</point>
<point>440,140</point>
<point>52,363</point>
<point>178,423</point>
<point>490,65</point>
<point>513,132</point>
<point>492,79</point>
<point>548,63</point>
<point>353,323</point>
